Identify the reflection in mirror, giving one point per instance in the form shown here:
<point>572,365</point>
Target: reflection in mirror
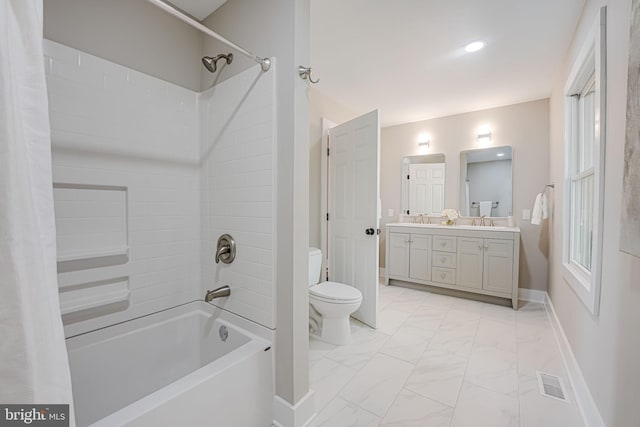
<point>423,184</point>
<point>485,182</point>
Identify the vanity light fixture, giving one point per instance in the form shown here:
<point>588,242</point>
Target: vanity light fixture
<point>423,143</point>
<point>474,47</point>
<point>484,135</point>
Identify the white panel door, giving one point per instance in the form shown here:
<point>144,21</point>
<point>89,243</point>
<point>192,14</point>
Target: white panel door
<point>354,188</point>
<point>426,188</point>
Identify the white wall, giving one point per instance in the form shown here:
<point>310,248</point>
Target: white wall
<point>125,148</point>
<point>524,126</point>
<point>607,347</point>
<point>238,191</point>
<point>132,33</point>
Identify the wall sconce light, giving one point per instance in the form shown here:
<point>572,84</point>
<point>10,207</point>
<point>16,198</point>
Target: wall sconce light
<point>484,135</point>
<point>423,143</point>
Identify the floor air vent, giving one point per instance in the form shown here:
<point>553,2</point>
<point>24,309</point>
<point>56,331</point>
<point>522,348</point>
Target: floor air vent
<point>551,386</point>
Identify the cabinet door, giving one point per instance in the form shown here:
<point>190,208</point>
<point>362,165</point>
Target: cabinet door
<point>498,265</point>
<point>420,257</point>
<point>469,262</point>
<point>398,256</point>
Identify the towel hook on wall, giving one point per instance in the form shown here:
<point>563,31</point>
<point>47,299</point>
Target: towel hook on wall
<point>305,74</point>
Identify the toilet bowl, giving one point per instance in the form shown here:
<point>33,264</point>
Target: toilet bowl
<point>333,301</point>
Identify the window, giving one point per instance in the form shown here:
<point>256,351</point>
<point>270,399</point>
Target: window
<point>585,103</point>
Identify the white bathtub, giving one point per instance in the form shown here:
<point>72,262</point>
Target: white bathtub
<point>172,369</point>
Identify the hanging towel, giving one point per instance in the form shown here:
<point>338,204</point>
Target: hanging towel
<point>545,205</point>
<point>537,216</point>
<point>466,199</point>
<point>485,207</point>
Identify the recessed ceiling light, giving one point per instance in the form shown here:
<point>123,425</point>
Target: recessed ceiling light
<point>474,47</point>
<point>500,154</point>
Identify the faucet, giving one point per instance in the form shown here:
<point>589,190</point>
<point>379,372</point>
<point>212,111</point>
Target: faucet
<point>482,223</point>
<point>221,251</point>
<point>226,250</point>
<point>223,291</point>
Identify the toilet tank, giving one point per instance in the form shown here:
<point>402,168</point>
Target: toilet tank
<point>315,265</point>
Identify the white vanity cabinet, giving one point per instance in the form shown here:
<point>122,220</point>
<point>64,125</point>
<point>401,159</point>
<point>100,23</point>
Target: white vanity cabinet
<point>481,260</point>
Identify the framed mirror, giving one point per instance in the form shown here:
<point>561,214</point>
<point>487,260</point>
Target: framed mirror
<point>486,182</point>
<point>423,184</point>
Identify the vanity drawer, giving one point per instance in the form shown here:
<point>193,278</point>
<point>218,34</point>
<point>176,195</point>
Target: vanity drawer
<point>444,259</point>
<point>444,243</point>
<point>443,275</point>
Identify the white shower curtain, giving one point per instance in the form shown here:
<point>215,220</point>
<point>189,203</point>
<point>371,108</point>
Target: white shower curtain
<point>34,368</point>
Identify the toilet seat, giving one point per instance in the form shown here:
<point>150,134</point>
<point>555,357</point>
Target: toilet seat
<point>336,293</point>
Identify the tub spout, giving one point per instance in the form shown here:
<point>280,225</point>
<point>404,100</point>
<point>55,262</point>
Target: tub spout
<point>223,291</point>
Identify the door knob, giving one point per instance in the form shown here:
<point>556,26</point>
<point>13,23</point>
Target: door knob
<point>369,231</point>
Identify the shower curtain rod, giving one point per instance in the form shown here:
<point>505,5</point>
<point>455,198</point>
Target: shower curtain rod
<point>265,63</point>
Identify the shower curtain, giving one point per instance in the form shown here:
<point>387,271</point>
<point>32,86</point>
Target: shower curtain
<point>34,368</point>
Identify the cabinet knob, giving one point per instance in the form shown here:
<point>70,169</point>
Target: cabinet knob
<point>486,247</point>
<point>480,247</point>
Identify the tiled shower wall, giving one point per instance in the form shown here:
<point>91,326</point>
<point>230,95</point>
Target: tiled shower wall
<point>126,189</point>
<point>238,191</point>
<point>147,175</point>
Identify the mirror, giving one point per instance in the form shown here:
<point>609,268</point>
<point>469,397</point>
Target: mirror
<point>423,184</point>
<point>485,182</point>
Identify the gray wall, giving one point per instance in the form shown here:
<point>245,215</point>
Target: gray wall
<point>524,126</point>
<point>607,347</point>
<point>135,34</point>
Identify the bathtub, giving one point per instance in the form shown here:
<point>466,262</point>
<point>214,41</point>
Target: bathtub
<point>172,368</point>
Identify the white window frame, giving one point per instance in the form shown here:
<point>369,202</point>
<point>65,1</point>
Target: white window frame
<point>592,55</point>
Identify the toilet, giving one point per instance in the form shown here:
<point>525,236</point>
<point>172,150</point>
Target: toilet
<point>333,301</point>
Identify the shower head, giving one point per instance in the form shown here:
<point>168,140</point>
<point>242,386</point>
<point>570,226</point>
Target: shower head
<point>210,63</point>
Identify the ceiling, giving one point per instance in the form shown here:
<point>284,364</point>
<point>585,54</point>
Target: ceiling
<point>199,9</point>
<point>407,58</point>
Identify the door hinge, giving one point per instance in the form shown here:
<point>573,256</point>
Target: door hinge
<point>328,151</point>
<point>327,216</point>
<point>407,212</point>
<point>408,176</point>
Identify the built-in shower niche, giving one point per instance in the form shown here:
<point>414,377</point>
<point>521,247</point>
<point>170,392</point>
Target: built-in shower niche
<point>91,225</point>
<point>84,301</point>
<point>92,241</point>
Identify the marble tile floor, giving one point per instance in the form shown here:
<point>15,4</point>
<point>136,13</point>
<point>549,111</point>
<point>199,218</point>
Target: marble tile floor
<point>438,361</point>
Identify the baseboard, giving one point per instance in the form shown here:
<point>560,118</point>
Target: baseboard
<point>383,272</point>
<point>532,295</point>
<point>584,399</point>
<point>299,415</point>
